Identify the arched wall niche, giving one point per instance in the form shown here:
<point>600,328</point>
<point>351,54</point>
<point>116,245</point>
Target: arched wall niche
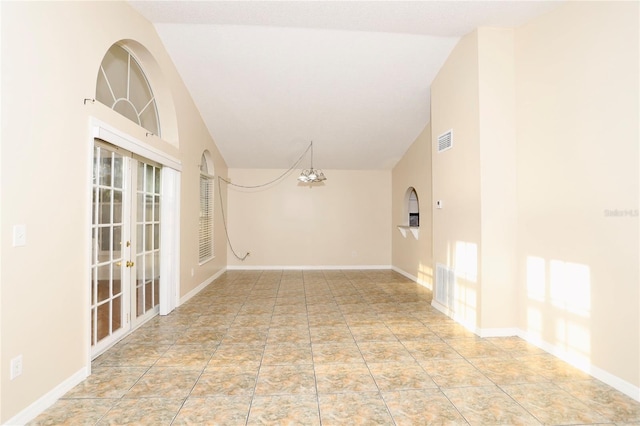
<point>411,207</point>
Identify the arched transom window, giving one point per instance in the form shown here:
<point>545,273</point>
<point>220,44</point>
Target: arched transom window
<point>123,87</point>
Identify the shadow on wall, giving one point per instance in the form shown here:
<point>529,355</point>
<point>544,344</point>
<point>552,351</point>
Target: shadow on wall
<point>559,307</point>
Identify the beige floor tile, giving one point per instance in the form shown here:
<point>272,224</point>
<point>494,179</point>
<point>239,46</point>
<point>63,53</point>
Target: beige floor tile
<point>553,368</point>
<point>330,334</point>
<point>165,382</point>
<point>384,352</point>
<point>298,347</point>
<point>372,334</point>
<point>475,347</point>
<point>237,354</point>
<point>156,336</point>
<point>251,321</point>
<point>213,321</point>
<point>289,320</point>
<point>288,335</point>
<point>246,335</point>
<point>327,320</point>
<point>552,405</point>
<point>354,409</point>
<point>336,353</point>
<point>133,355</point>
<point>107,382</point>
<point>289,310</point>
<point>146,411</point>
<point>72,412</point>
<point>450,330</point>
<point>427,350</point>
<point>226,380</point>
<point>286,379</point>
<point>222,411</point>
<point>284,410</point>
<point>392,376</point>
<point>185,356</point>
<point>411,333</point>
<point>507,370</point>
<point>338,378</point>
<point>364,319</point>
<point>287,354</point>
<point>488,405</point>
<point>515,346</point>
<point>614,405</point>
<point>422,407</point>
<point>454,373</point>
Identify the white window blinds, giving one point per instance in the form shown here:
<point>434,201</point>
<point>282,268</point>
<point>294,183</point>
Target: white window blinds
<point>205,229</point>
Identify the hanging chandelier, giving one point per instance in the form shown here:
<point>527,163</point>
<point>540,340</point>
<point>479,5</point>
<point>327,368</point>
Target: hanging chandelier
<point>311,175</point>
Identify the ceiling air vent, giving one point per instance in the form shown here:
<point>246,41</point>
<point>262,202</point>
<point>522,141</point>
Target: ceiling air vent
<point>445,140</point>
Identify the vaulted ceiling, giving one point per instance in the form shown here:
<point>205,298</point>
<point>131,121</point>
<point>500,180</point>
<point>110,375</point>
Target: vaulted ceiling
<point>353,76</point>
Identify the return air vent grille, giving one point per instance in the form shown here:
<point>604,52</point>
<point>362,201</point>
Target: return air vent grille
<point>445,141</point>
<point>445,283</point>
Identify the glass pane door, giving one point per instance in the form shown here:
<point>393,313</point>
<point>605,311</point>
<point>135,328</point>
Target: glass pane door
<point>147,242</point>
<point>125,262</point>
<point>109,299</point>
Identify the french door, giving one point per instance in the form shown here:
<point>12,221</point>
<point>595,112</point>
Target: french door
<point>125,259</point>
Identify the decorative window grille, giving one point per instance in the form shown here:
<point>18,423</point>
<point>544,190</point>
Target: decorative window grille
<point>205,229</point>
<point>123,87</point>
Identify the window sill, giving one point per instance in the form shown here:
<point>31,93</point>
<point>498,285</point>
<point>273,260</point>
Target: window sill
<point>414,230</point>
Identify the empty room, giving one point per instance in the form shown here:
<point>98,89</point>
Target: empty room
<point>320,212</point>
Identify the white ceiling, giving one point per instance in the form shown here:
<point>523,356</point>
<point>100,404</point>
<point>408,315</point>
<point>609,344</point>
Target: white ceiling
<point>353,76</point>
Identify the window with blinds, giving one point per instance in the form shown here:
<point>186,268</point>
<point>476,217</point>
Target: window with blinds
<point>205,228</point>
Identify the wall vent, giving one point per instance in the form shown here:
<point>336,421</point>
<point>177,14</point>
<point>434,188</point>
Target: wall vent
<point>445,140</point>
<point>445,279</point>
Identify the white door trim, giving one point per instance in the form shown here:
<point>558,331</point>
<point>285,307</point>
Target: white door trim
<point>169,228</point>
<point>108,133</point>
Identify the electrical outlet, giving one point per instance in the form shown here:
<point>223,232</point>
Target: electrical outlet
<point>16,367</point>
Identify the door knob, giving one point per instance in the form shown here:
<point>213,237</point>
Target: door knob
<point>129,264</point>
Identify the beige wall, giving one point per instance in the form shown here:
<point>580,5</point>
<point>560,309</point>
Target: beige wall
<point>456,174</point>
<point>498,220</point>
<point>545,121</point>
<point>577,129</point>
<point>48,67</point>
<point>412,256</point>
<point>343,222</point>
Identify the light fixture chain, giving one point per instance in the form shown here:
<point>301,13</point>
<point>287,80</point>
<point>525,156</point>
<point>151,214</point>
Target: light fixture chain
<point>274,180</point>
<point>224,222</point>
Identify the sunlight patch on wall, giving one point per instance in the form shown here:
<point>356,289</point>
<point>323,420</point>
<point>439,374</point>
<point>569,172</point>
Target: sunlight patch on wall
<point>466,261</point>
<point>559,307</point>
<point>570,287</point>
<point>536,278</point>
<point>534,323</point>
<point>425,275</point>
<point>570,292</point>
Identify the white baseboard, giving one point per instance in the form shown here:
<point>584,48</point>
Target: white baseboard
<point>412,278</point>
<point>497,332</point>
<point>612,380</point>
<point>305,267</point>
<point>47,400</point>
<point>451,314</point>
<point>600,374</point>
<point>201,287</point>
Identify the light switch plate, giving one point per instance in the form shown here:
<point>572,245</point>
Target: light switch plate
<point>19,235</point>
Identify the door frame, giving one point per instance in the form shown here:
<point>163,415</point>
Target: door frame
<point>169,210</point>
